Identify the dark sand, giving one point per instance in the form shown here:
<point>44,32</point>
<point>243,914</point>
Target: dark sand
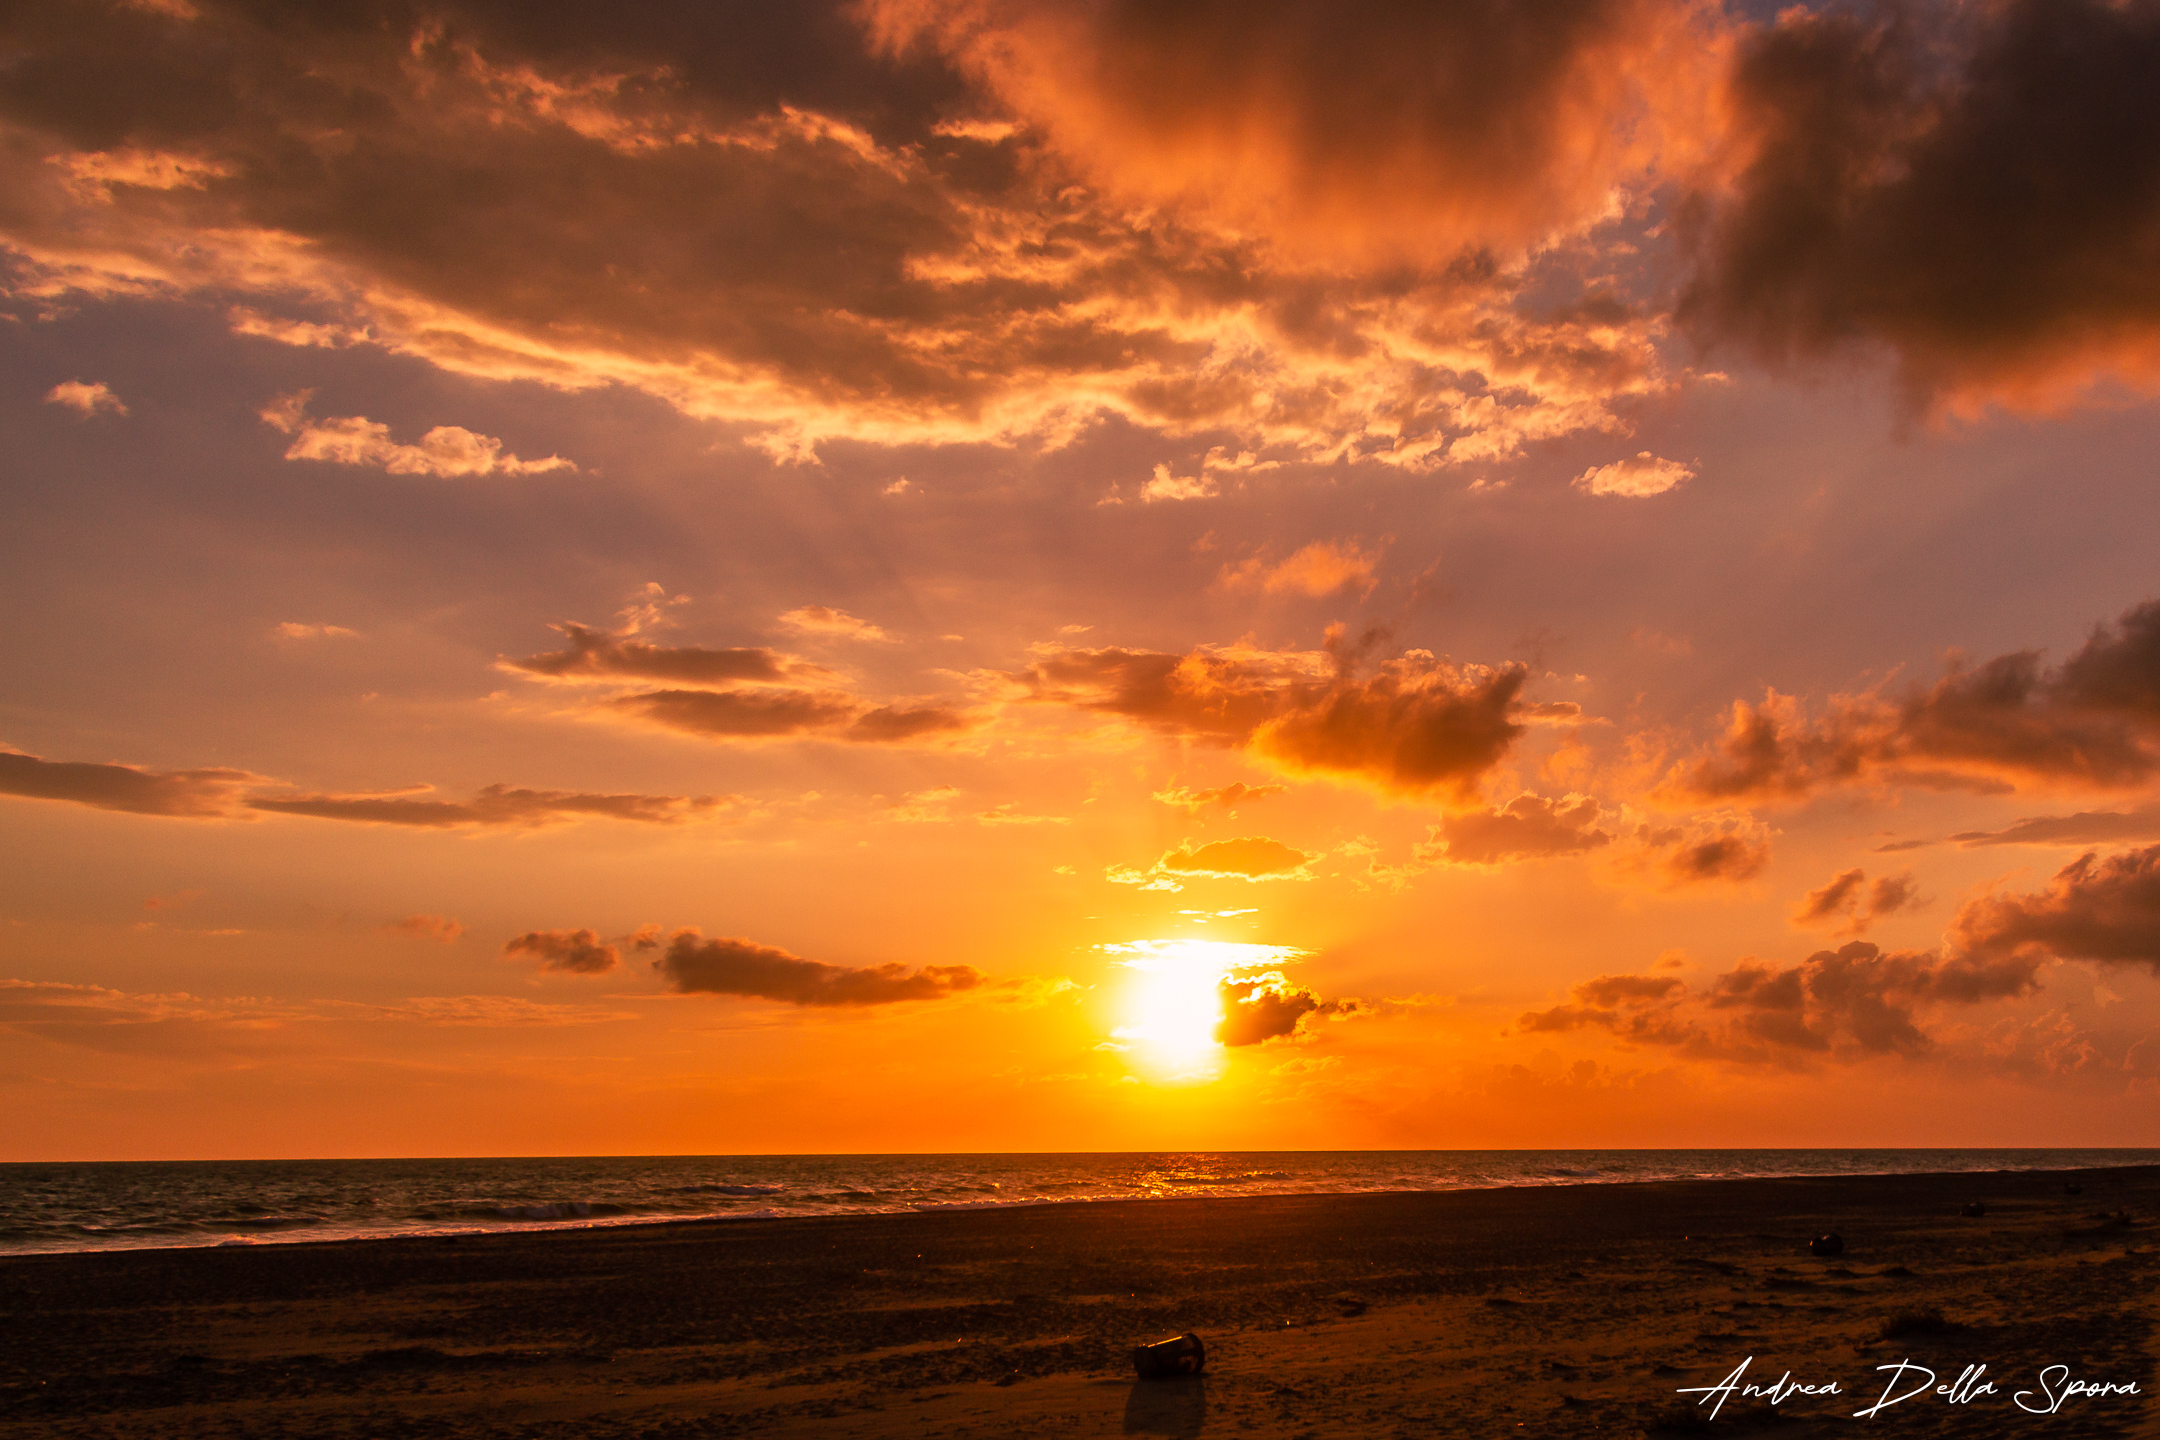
<point>1569,1311</point>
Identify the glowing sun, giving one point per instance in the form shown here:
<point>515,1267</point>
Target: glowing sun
<point>1173,1004</point>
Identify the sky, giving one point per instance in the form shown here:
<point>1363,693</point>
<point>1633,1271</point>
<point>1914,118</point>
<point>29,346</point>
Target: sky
<point>1046,575</point>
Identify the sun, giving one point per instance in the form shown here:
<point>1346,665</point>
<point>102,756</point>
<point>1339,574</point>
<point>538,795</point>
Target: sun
<point>1173,1003</point>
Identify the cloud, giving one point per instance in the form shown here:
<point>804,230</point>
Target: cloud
<point>791,232</point>
<point>1418,725</point>
<point>444,451</point>
<point>86,399</point>
<point>1859,1000</point>
<point>1720,847</point>
<point>1163,485</point>
<point>173,1026</point>
<point>189,1028</point>
<point>492,1011</point>
<point>1979,196</point>
<point>299,630</point>
<point>1360,131</point>
<point>190,793</point>
<point>2103,910</point>
<point>429,927</point>
<point>2087,827</point>
<point>836,624</point>
<point>1846,1004</point>
<point>790,714</point>
<point>692,964</point>
<point>1325,567</point>
<point>1847,899</point>
<point>1644,475</point>
<point>570,952</point>
<point>594,655</point>
<point>1009,814</point>
<point>497,806</point>
<point>2093,721</point>
<point>1250,857</point>
<point>1526,828</point>
<point>1268,1008</point>
<point>1230,796</point>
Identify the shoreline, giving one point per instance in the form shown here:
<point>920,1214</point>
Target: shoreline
<point>301,1234</point>
<point>1571,1309</point>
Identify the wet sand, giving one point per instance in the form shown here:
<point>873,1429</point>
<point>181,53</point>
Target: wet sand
<point>1570,1311</point>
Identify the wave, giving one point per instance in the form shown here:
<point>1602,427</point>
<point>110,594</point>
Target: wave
<point>49,1208</point>
<point>1248,1178</point>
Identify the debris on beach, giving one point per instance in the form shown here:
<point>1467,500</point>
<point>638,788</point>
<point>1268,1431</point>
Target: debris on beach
<point>1169,1359</point>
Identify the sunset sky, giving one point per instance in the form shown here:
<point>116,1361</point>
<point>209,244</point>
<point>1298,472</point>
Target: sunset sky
<point>949,575</point>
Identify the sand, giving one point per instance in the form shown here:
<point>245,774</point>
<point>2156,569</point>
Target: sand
<point>1569,1311</point>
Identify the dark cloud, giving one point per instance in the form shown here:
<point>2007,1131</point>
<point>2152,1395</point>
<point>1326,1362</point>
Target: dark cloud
<point>1846,1004</point>
<point>1418,725</point>
<point>1720,849</point>
<point>1356,127</point>
<point>2104,910</point>
<point>496,806</point>
<point>1848,900</point>
<point>1526,828</point>
<point>572,952</point>
<point>1266,1008</point>
<point>1976,187</point>
<point>2087,827</point>
<point>1860,1000</point>
<point>692,964</point>
<point>2093,721</point>
<point>191,793</point>
<point>775,713</point>
<point>745,211</point>
<point>599,655</point>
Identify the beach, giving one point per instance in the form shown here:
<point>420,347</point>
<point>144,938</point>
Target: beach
<point>1553,1310</point>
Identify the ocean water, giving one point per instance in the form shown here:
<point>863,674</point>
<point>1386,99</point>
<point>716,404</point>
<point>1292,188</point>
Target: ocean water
<point>102,1206</point>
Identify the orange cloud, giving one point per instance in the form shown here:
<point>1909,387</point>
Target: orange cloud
<point>190,793</point>
<point>772,714</point>
<point>614,656</point>
<point>1644,475</point>
<point>840,263</point>
<point>2104,910</point>
<point>2093,721</point>
<point>1362,131</point>
<point>1847,899</point>
<point>1859,1001</point>
<point>1418,725</point>
<point>571,952</point>
<point>86,399</point>
<point>693,965</point>
<point>497,806</point>
<point>1526,828</point>
<point>430,927</point>
<point>1325,567</point>
<point>1230,796</point>
<point>838,624</point>
<point>446,450</point>
<point>1250,858</point>
<point>2087,827</point>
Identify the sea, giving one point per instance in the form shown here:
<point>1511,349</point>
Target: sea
<point>157,1204</point>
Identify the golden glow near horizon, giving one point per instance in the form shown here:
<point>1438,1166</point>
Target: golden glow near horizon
<point>1174,1004</point>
